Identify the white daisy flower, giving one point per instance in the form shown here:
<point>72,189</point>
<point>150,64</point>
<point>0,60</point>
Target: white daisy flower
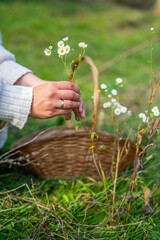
<point>109,95</point>
<point>60,44</point>
<point>114,92</point>
<point>67,49</point>
<point>129,113</point>
<point>61,51</point>
<point>124,109</point>
<point>119,80</point>
<point>106,105</point>
<point>152,29</point>
<point>120,107</point>
<point>50,47</point>
<point>117,111</point>
<point>113,100</point>
<point>145,119</point>
<point>155,109</point>
<point>103,86</point>
<point>142,115</point>
<point>117,104</point>
<point>65,39</point>
<point>156,113</point>
<point>82,45</point>
<point>47,52</point>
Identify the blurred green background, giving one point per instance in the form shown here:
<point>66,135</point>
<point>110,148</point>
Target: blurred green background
<point>110,29</point>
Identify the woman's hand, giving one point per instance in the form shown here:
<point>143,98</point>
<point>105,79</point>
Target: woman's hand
<point>47,99</point>
<point>48,96</point>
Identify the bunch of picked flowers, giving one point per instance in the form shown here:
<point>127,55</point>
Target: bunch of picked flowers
<point>63,49</point>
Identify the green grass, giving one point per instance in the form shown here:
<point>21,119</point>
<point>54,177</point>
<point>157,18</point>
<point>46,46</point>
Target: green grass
<point>69,209</point>
<point>77,209</point>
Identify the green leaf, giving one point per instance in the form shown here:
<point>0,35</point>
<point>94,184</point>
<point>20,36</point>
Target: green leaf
<point>92,135</point>
<point>65,198</point>
<point>9,227</point>
<point>77,127</point>
<point>12,223</point>
<point>97,136</point>
<point>103,146</point>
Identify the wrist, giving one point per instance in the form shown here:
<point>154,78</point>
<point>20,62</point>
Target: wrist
<point>29,80</point>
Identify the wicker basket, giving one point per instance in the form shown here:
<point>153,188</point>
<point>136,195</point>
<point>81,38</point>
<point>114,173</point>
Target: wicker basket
<point>64,151</point>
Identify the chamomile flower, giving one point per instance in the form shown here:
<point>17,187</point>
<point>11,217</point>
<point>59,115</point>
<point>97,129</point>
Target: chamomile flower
<point>117,104</point>
<point>82,45</point>
<point>109,95</point>
<point>47,52</point>
<point>61,51</point>
<point>117,111</point>
<point>120,107</point>
<point>106,105</point>
<point>65,39</point>
<point>142,115</point>
<point>113,100</point>
<point>155,109</point>
<point>152,29</point>
<point>67,49</point>
<point>114,92</point>
<point>156,113</point>
<point>119,80</point>
<point>145,119</point>
<point>103,86</point>
<point>60,44</point>
<point>124,109</point>
<point>50,47</point>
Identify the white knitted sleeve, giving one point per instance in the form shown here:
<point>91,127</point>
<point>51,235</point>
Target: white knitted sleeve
<point>10,71</point>
<point>15,103</point>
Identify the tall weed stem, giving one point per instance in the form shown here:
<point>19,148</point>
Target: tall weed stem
<point>141,132</point>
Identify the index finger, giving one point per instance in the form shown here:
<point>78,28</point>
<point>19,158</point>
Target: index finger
<point>62,85</point>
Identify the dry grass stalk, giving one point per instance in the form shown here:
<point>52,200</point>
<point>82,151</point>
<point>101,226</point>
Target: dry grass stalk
<point>115,179</point>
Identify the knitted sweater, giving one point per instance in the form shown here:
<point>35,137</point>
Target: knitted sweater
<point>15,101</point>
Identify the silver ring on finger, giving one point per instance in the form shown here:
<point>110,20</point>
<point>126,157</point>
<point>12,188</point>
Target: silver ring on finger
<point>62,104</point>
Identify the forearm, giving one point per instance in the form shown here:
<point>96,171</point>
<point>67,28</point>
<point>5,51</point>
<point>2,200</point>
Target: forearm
<point>29,80</point>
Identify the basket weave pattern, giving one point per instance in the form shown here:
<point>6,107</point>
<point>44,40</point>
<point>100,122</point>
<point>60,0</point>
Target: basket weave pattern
<point>63,152</point>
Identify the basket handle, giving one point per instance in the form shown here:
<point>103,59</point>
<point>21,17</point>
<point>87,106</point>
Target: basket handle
<point>96,93</point>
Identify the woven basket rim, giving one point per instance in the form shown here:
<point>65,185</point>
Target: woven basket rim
<point>59,132</point>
